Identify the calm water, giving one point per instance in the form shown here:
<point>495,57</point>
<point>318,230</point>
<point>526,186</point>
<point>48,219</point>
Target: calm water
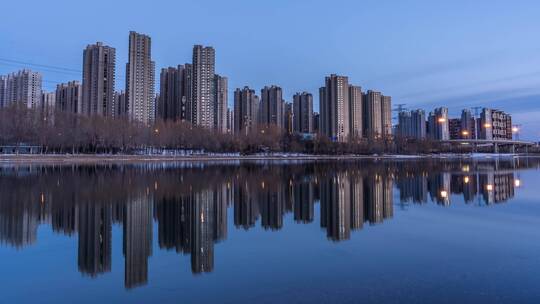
<point>272,232</point>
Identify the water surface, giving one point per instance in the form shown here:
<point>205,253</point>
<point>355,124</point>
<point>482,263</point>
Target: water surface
<point>370,231</point>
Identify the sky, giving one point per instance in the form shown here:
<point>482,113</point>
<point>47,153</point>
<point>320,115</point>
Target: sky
<point>458,54</point>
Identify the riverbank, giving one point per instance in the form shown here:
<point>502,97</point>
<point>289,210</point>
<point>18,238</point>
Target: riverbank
<point>121,158</point>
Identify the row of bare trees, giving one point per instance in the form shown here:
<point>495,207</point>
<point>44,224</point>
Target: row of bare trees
<point>62,132</point>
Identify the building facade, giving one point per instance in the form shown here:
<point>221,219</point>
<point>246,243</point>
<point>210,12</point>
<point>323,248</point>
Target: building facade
<point>303,113</point>
<point>468,125</point>
<point>121,104</point>
<point>22,88</point>
<point>174,92</point>
<point>334,108</point>
<point>98,80</point>
<point>246,109</point>
<point>220,103</point>
<point>140,77</point>
<point>203,100</point>
<point>271,109</point>
<point>3,90</point>
<point>386,116</point>
<point>47,105</point>
<point>356,108</point>
<point>69,97</point>
<point>495,125</point>
<point>373,117</point>
<point>438,124</point>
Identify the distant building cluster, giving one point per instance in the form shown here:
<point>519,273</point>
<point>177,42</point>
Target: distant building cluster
<point>489,124</point>
<point>348,113</point>
<point>194,93</point>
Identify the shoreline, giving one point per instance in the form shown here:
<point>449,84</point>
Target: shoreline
<point>121,158</point>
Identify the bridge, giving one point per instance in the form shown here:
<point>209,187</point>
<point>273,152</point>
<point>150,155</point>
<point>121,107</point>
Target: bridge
<point>495,143</point>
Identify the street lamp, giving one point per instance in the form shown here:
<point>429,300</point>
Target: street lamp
<point>515,130</point>
<point>442,120</point>
<point>465,133</point>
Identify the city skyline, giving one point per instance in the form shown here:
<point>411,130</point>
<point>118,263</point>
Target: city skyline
<point>486,73</point>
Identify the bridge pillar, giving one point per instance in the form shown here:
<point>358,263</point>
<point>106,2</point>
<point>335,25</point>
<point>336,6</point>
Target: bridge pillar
<point>513,149</point>
<point>496,148</point>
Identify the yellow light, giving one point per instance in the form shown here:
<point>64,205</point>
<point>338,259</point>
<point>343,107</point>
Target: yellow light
<point>515,129</point>
<point>487,126</point>
<point>465,168</point>
<point>465,133</point>
<point>156,130</point>
<point>517,183</point>
<point>442,119</point>
<point>489,187</point>
<point>466,180</point>
<point>444,194</point>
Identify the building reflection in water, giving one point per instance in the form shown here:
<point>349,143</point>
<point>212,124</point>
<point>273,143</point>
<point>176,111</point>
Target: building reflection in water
<point>189,203</point>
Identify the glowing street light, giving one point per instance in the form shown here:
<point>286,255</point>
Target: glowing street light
<point>515,130</point>
<point>156,130</point>
<point>444,194</point>
<point>442,120</point>
<point>487,125</point>
<point>489,187</point>
<point>517,183</point>
<point>466,180</point>
<point>465,133</point>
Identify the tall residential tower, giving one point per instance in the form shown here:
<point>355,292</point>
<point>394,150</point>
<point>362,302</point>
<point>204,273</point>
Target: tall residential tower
<point>99,64</point>
<point>140,71</point>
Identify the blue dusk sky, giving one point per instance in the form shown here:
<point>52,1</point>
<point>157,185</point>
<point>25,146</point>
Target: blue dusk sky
<point>424,54</point>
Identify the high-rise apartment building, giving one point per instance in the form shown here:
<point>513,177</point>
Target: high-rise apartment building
<point>22,87</point>
<point>454,128</point>
<point>303,112</point>
<point>438,125</point>
<point>316,122</point>
<point>246,109</point>
<point>404,128</point>
<point>495,125</point>
<point>3,90</point>
<point>468,125</point>
<point>334,108</point>
<point>140,76</point>
<point>220,103</point>
<point>271,109</point>
<point>288,117</point>
<point>373,117</point>
<point>99,65</point>
<point>47,104</point>
<point>356,107</point>
<point>386,115</point>
<point>172,94</point>
<point>121,105</point>
<point>203,100</point>
<point>69,97</point>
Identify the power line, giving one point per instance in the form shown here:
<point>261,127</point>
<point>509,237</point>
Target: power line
<point>40,65</point>
<point>46,68</point>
